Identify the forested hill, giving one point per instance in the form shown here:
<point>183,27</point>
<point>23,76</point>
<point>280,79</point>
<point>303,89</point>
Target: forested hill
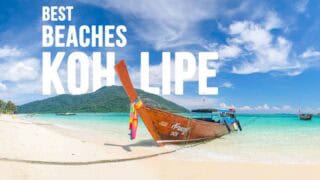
<point>106,99</point>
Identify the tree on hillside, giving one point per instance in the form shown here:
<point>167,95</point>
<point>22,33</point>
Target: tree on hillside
<point>2,106</point>
<point>10,107</point>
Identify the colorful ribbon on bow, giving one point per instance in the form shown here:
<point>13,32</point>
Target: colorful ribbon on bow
<point>133,122</point>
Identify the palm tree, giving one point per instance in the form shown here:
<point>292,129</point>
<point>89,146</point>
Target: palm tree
<point>2,106</point>
<point>10,107</point>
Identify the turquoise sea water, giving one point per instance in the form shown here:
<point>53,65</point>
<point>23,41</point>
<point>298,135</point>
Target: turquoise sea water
<point>266,138</point>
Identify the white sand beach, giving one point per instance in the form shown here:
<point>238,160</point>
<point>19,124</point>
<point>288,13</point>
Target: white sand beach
<point>38,144</point>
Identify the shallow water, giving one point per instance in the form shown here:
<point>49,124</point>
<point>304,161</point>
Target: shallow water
<point>266,138</point>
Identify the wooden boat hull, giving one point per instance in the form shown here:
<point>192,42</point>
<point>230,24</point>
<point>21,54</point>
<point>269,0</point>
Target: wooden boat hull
<point>166,127</point>
<point>172,128</point>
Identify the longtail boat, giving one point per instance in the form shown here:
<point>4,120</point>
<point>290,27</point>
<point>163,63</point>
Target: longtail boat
<point>169,128</point>
<point>305,116</point>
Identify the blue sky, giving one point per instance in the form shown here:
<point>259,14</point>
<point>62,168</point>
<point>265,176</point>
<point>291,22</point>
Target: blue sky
<point>269,50</point>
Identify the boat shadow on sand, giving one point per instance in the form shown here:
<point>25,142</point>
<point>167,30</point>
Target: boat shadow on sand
<point>142,143</point>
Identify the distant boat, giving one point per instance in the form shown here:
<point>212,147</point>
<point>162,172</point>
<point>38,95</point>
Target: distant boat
<point>170,128</point>
<point>305,116</point>
<point>66,114</point>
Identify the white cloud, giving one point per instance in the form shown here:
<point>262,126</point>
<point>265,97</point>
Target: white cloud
<point>227,85</point>
<point>231,51</point>
<point>272,109</point>
<point>18,70</point>
<point>276,108</point>
<point>269,52</point>
<point>225,106</point>
<point>248,33</point>
<point>7,51</point>
<point>29,87</point>
<point>272,21</point>
<point>168,24</point>
<point>265,108</point>
<point>257,49</point>
<point>3,87</point>
<point>192,102</point>
<point>301,6</point>
<point>204,102</point>
<point>286,108</point>
<point>171,23</point>
<point>163,24</point>
<point>21,74</point>
<point>245,108</point>
<point>310,53</point>
<point>22,91</point>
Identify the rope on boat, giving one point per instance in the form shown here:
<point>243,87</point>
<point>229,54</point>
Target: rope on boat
<point>104,161</point>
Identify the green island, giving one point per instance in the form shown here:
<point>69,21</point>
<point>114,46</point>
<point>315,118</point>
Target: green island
<point>105,99</point>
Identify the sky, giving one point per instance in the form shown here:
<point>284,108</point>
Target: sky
<point>269,51</point>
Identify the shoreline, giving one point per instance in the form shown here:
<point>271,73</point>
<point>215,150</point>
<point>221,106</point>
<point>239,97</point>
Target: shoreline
<point>20,139</point>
